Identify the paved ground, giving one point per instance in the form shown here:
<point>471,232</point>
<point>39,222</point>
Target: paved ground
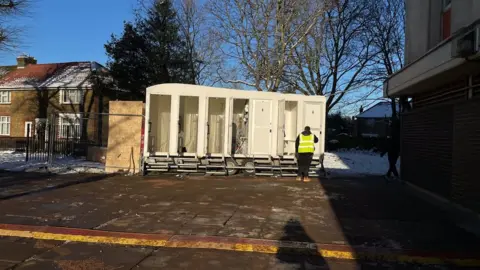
<point>353,212</point>
<point>28,254</point>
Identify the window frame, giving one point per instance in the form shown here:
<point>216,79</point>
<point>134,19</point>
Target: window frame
<point>8,122</point>
<point>69,101</point>
<point>26,129</point>
<point>9,96</point>
<point>65,116</point>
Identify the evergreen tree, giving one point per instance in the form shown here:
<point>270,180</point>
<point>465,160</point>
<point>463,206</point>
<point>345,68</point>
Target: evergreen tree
<point>128,61</point>
<point>150,51</point>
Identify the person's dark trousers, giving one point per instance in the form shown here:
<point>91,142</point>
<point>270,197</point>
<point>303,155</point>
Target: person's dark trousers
<point>392,161</point>
<point>304,161</point>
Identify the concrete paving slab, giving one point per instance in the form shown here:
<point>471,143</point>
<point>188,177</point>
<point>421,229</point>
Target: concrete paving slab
<point>201,230</point>
<point>242,232</point>
<point>87,256</point>
<point>19,250</point>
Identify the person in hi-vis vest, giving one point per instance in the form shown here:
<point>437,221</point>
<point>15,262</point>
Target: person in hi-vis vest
<point>304,149</point>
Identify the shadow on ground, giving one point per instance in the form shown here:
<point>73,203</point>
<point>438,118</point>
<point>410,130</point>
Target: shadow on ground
<point>294,232</point>
<point>16,185</point>
<point>8,179</point>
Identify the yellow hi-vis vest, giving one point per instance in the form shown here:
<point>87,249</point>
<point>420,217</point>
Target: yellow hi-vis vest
<point>306,144</point>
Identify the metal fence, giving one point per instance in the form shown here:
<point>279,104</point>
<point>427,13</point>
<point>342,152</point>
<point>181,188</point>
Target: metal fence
<point>82,136</point>
<point>64,135</point>
<point>17,144</point>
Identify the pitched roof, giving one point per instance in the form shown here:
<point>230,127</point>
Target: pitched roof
<point>57,75</point>
<point>379,110</point>
<point>5,69</point>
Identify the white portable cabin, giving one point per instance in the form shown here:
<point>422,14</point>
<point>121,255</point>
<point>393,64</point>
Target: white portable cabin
<point>206,123</point>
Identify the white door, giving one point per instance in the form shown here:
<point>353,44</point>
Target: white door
<point>312,115</point>
<point>28,129</point>
<point>281,128</point>
<point>262,127</point>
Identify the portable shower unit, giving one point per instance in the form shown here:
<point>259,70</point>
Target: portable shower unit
<point>221,131</point>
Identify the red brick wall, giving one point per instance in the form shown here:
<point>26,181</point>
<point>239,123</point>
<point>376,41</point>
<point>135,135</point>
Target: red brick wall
<point>25,106</point>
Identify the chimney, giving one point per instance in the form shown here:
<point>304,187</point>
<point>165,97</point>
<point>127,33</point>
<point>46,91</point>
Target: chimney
<point>24,60</point>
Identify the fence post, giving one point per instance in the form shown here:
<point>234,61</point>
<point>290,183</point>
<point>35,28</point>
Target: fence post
<point>27,144</point>
<point>67,148</point>
<point>51,133</point>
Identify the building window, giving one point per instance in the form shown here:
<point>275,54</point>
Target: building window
<point>70,126</point>
<point>5,125</point>
<point>446,18</point>
<point>71,96</point>
<point>4,97</point>
<point>28,129</point>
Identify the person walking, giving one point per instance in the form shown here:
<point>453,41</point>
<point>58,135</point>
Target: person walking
<point>392,150</point>
<point>304,149</point>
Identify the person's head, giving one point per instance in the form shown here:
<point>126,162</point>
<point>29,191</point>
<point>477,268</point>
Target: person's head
<point>307,128</point>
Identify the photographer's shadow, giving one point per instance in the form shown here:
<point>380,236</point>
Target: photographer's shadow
<point>298,258</point>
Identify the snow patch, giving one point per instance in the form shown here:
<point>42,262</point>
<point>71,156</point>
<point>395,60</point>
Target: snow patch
<point>13,161</point>
<point>356,162</point>
<point>71,75</point>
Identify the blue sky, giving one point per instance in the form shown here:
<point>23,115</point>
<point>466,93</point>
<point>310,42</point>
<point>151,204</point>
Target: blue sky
<point>70,30</point>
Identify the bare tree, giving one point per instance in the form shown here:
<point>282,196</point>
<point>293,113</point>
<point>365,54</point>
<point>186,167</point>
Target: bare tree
<point>203,49</point>
<point>335,58</point>
<point>261,35</point>
<point>387,28</point>
<point>9,10</point>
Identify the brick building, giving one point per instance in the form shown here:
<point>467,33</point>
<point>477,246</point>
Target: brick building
<point>440,148</point>
<point>30,93</point>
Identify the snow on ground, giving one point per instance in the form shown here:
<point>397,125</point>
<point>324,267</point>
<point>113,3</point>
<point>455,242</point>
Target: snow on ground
<point>348,162</point>
<point>13,161</point>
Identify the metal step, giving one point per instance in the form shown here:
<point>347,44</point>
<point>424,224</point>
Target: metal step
<point>157,170</point>
<point>215,160</point>
<point>188,160</point>
<point>188,165</point>
<point>215,166</point>
<point>158,167</point>
<point>289,168</point>
<point>163,159</point>
<point>264,174</point>
<point>263,161</point>
<point>161,163</point>
<point>288,162</point>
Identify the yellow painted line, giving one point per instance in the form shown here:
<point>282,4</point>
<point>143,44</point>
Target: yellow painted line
<point>344,255</point>
<point>239,247</point>
<point>84,238</point>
